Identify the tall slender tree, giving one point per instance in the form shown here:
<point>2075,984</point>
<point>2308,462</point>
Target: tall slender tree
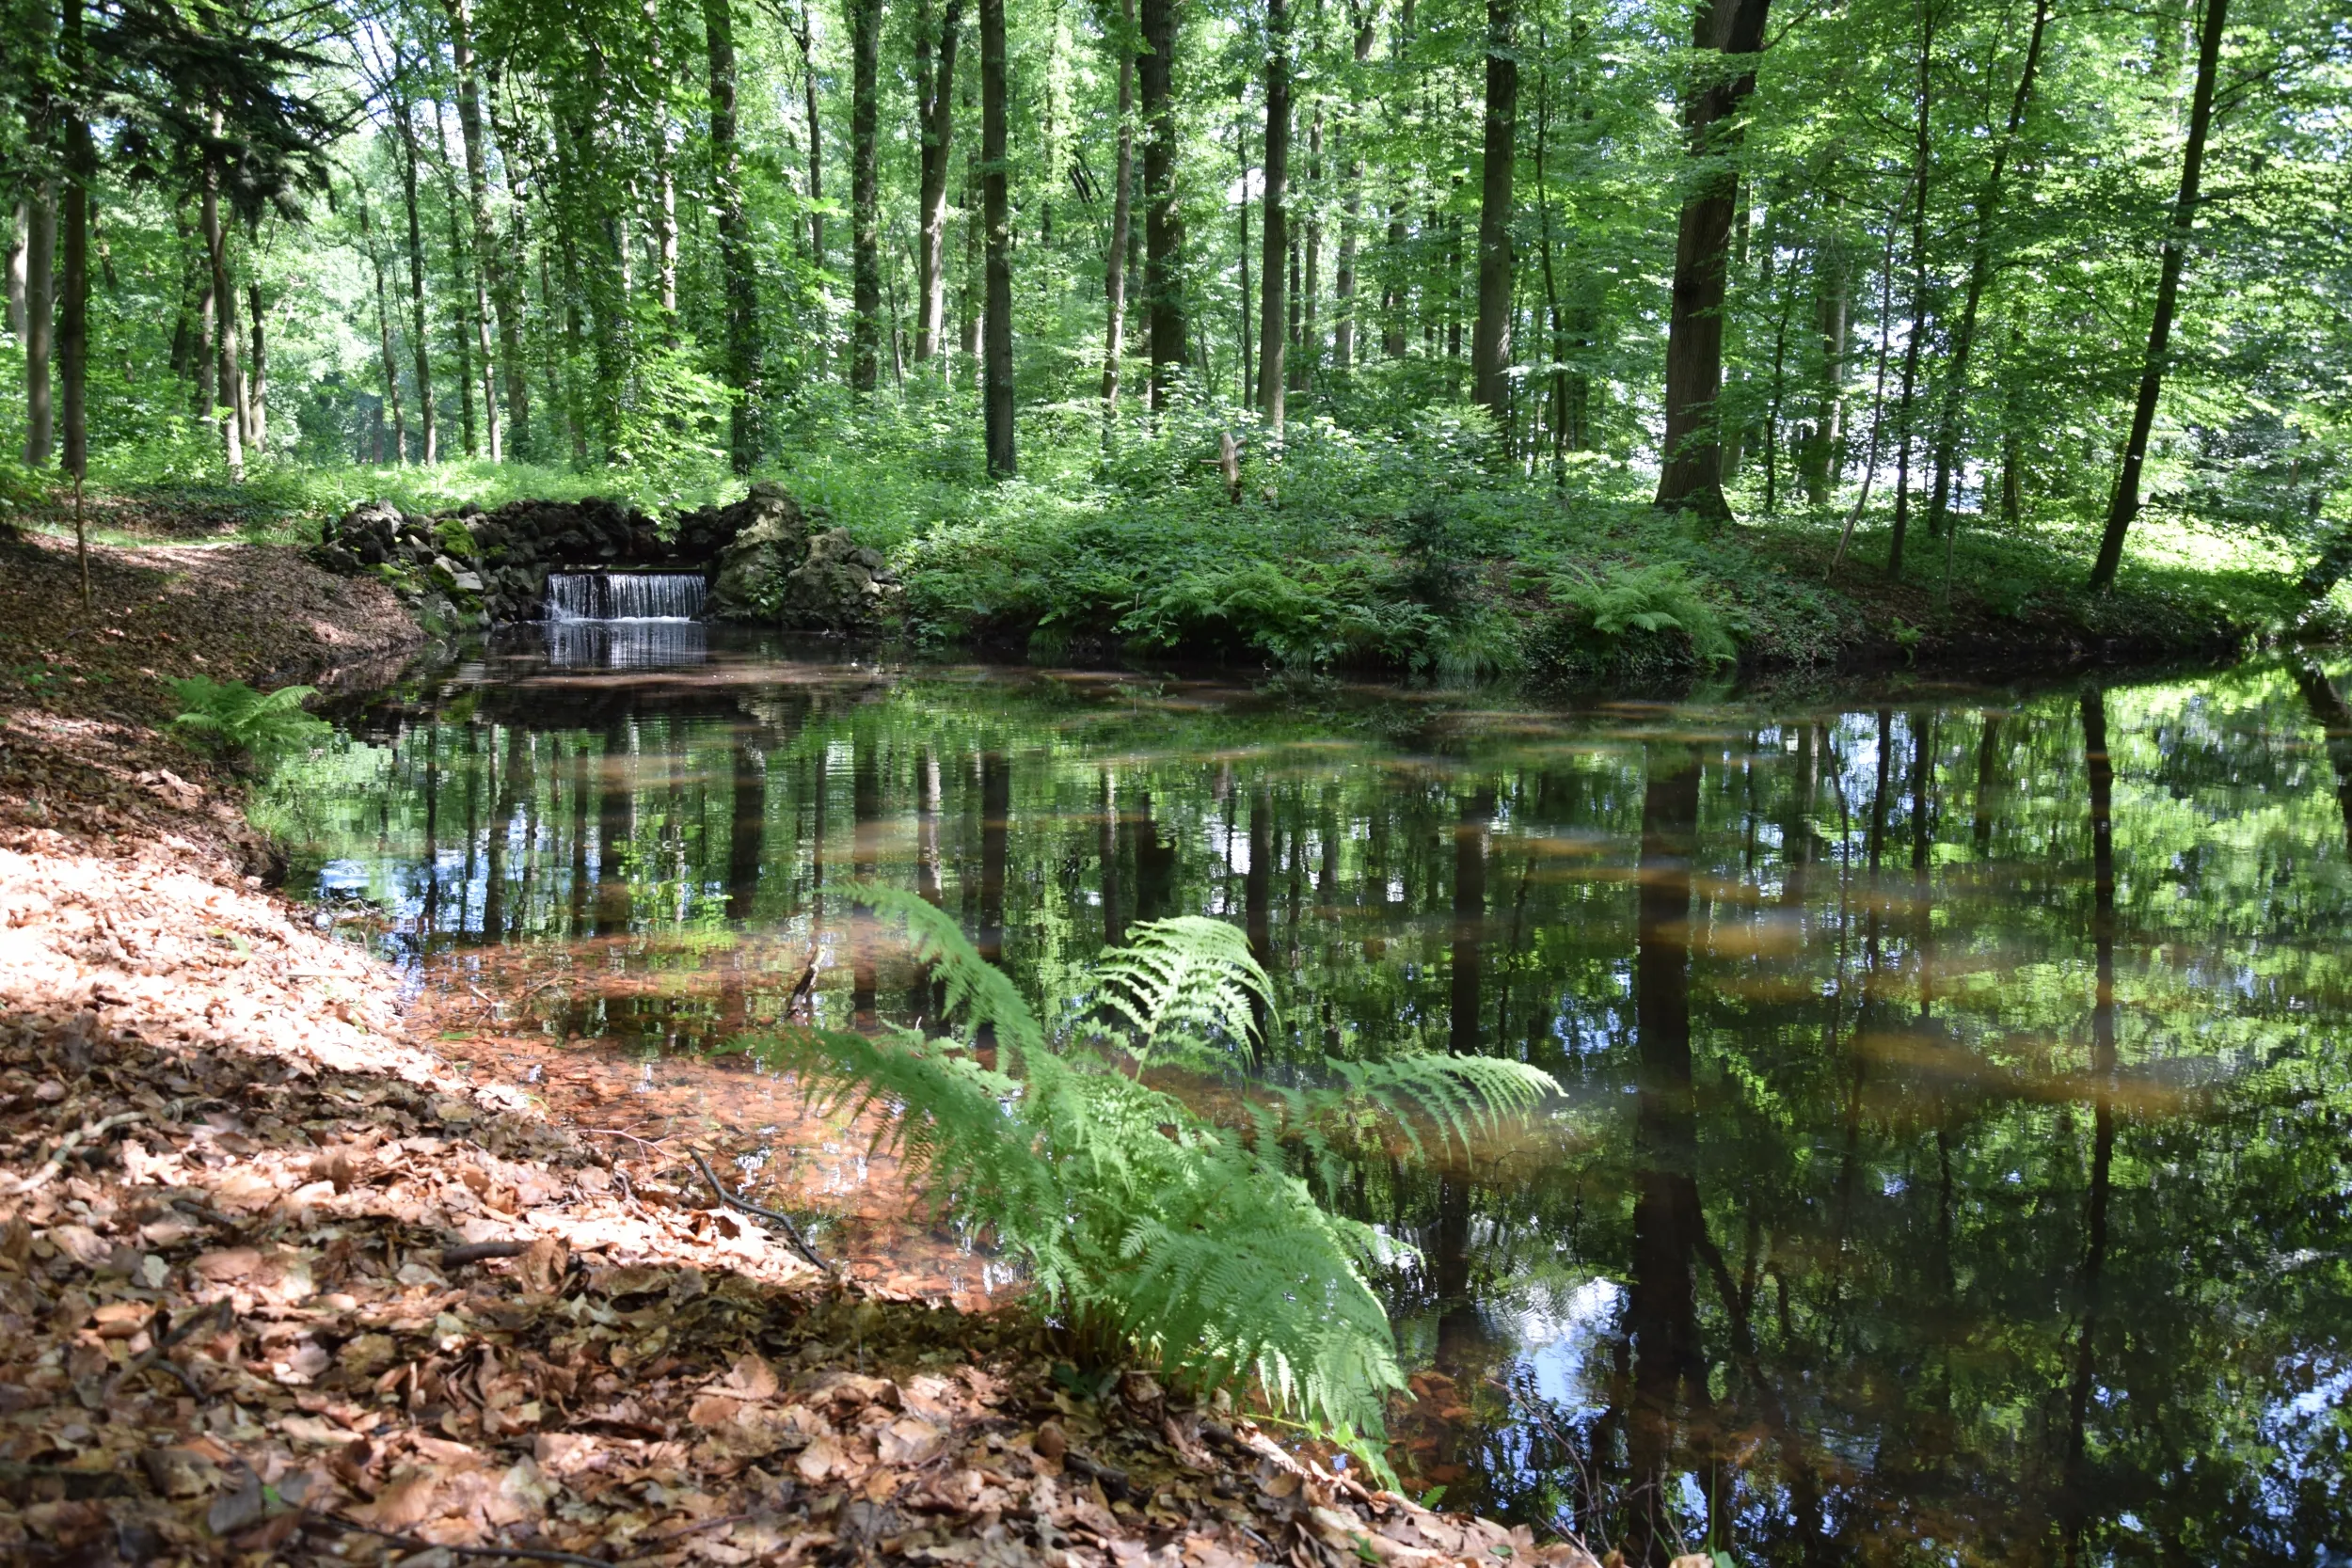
<point>736,272</point>
<point>507,424</point>
<point>1122,214</point>
<point>865,287</point>
<point>996,388</point>
<point>1725,36</point>
<point>1490,338</point>
<point>935,99</point>
<point>2125,507</point>
<point>1163,218</point>
<point>1274,250</point>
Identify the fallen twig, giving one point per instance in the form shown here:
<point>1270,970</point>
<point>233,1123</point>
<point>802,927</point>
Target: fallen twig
<point>156,1354</point>
<point>800,1243</point>
<point>88,1131</point>
<point>474,1252</point>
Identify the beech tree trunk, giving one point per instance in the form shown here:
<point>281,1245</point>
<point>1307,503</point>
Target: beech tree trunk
<point>2126,505</point>
<point>996,367</point>
<point>383,320</point>
<point>1903,421</point>
<point>508,425</point>
<point>1351,213</point>
<point>738,279</point>
<point>1123,217</point>
<point>1163,224</point>
<point>1833,284</point>
<point>1691,464</point>
<point>866,301</point>
<point>1273,249</point>
<point>81,168</point>
<point>935,84</point>
<point>41,261</point>
<point>418,340</point>
<point>19,222</point>
<point>257,384</point>
<point>1490,336</point>
<point>230,383</point>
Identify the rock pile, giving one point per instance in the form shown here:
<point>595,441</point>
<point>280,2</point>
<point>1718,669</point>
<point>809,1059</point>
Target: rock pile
<point>771,560</point>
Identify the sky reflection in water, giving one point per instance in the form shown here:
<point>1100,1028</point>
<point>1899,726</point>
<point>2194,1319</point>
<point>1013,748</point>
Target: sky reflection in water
<point>1949,1162</point>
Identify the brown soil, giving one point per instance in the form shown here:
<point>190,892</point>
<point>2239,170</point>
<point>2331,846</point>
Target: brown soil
<point>281,1282</point>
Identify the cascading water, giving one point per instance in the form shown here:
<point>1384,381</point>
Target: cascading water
<point>625,595</point>
<point>624,619</point>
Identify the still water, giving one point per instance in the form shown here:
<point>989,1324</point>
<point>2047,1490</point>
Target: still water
<point>1950,1157</point>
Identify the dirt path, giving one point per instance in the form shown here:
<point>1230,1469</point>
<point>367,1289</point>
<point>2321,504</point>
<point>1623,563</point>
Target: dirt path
<point>278,1282</point>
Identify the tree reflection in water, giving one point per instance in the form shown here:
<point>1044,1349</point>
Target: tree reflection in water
<point>1948,1161</point>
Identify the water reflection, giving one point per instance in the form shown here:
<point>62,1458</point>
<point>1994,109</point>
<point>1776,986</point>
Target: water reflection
<point>1949,1162</point>
<point>630,644</point>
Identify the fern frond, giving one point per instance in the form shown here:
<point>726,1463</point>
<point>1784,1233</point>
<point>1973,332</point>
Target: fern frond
<point>1183,983</point>
<point>979,996</point>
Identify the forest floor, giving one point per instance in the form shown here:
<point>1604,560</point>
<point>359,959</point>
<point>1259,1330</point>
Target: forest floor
<point>281,1282</point>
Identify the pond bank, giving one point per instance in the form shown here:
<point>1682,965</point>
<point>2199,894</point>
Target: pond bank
<point>276,1276</point>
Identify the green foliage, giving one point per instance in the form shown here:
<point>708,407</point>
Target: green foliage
<point>231,718</point>
<point>1614,600</point>
<point>1145,1224</point>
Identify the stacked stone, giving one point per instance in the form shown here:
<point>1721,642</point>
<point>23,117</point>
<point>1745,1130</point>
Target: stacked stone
<point>769,563</point>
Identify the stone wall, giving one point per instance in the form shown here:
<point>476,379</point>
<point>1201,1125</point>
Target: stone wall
<point>771,560</point>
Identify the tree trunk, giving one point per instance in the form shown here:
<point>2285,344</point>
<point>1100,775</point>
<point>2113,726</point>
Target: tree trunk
<point>1903,421</point>
<point>1352,212</point>
<point>20,225</point>
<point>866,300</point>
<point>81,168</point>
<point>738,279</point>
<point>40,285</point>
<point>507,426</point>
<point>256,383</point>
<point>1491,338</point>
<point>803,34</point>
<point>1123,215</point>
<point>1163,222</point>
<point>470,331</point>
<point>971,227</point>
<point>1947,425</point>
<point>1307,333</point>
<point>935,112</point>
<point>1831,313</point>
<point>382,319</point>
<point>1275,243</point>
<point>229,384</point>
<point>2126,505</point>
<point>1691,464</point>
<point>417,341</point>
<point>996,368</point>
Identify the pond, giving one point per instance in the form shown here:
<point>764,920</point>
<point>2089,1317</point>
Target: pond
<point>1949,1158</point>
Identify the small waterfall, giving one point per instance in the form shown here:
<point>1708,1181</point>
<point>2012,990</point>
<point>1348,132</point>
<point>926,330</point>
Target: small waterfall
<point>625,595</point>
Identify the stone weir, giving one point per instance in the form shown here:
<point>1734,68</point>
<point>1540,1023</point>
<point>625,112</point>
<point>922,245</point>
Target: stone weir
<point>768,560</point>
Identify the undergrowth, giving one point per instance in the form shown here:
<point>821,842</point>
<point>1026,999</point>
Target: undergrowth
<point>231,719</point>
<point>1148,1228</point>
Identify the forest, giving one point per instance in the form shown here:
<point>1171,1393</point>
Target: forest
<point>1670,312</point>
<point>1175,783</point>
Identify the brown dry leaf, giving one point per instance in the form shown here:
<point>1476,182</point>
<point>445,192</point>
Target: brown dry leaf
<point>908,1441</point>
<point>820,1459</point>
<point>80,1243</point>
<point>752,1378</point>
<point>541,1268</point>
<point>245,1191</point>
<point>403,1505</point>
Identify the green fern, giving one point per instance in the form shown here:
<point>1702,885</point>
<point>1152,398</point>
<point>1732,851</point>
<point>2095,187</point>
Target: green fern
<point>1653,599</point>
<point>1142,1223</point>
<point>232,717</point>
